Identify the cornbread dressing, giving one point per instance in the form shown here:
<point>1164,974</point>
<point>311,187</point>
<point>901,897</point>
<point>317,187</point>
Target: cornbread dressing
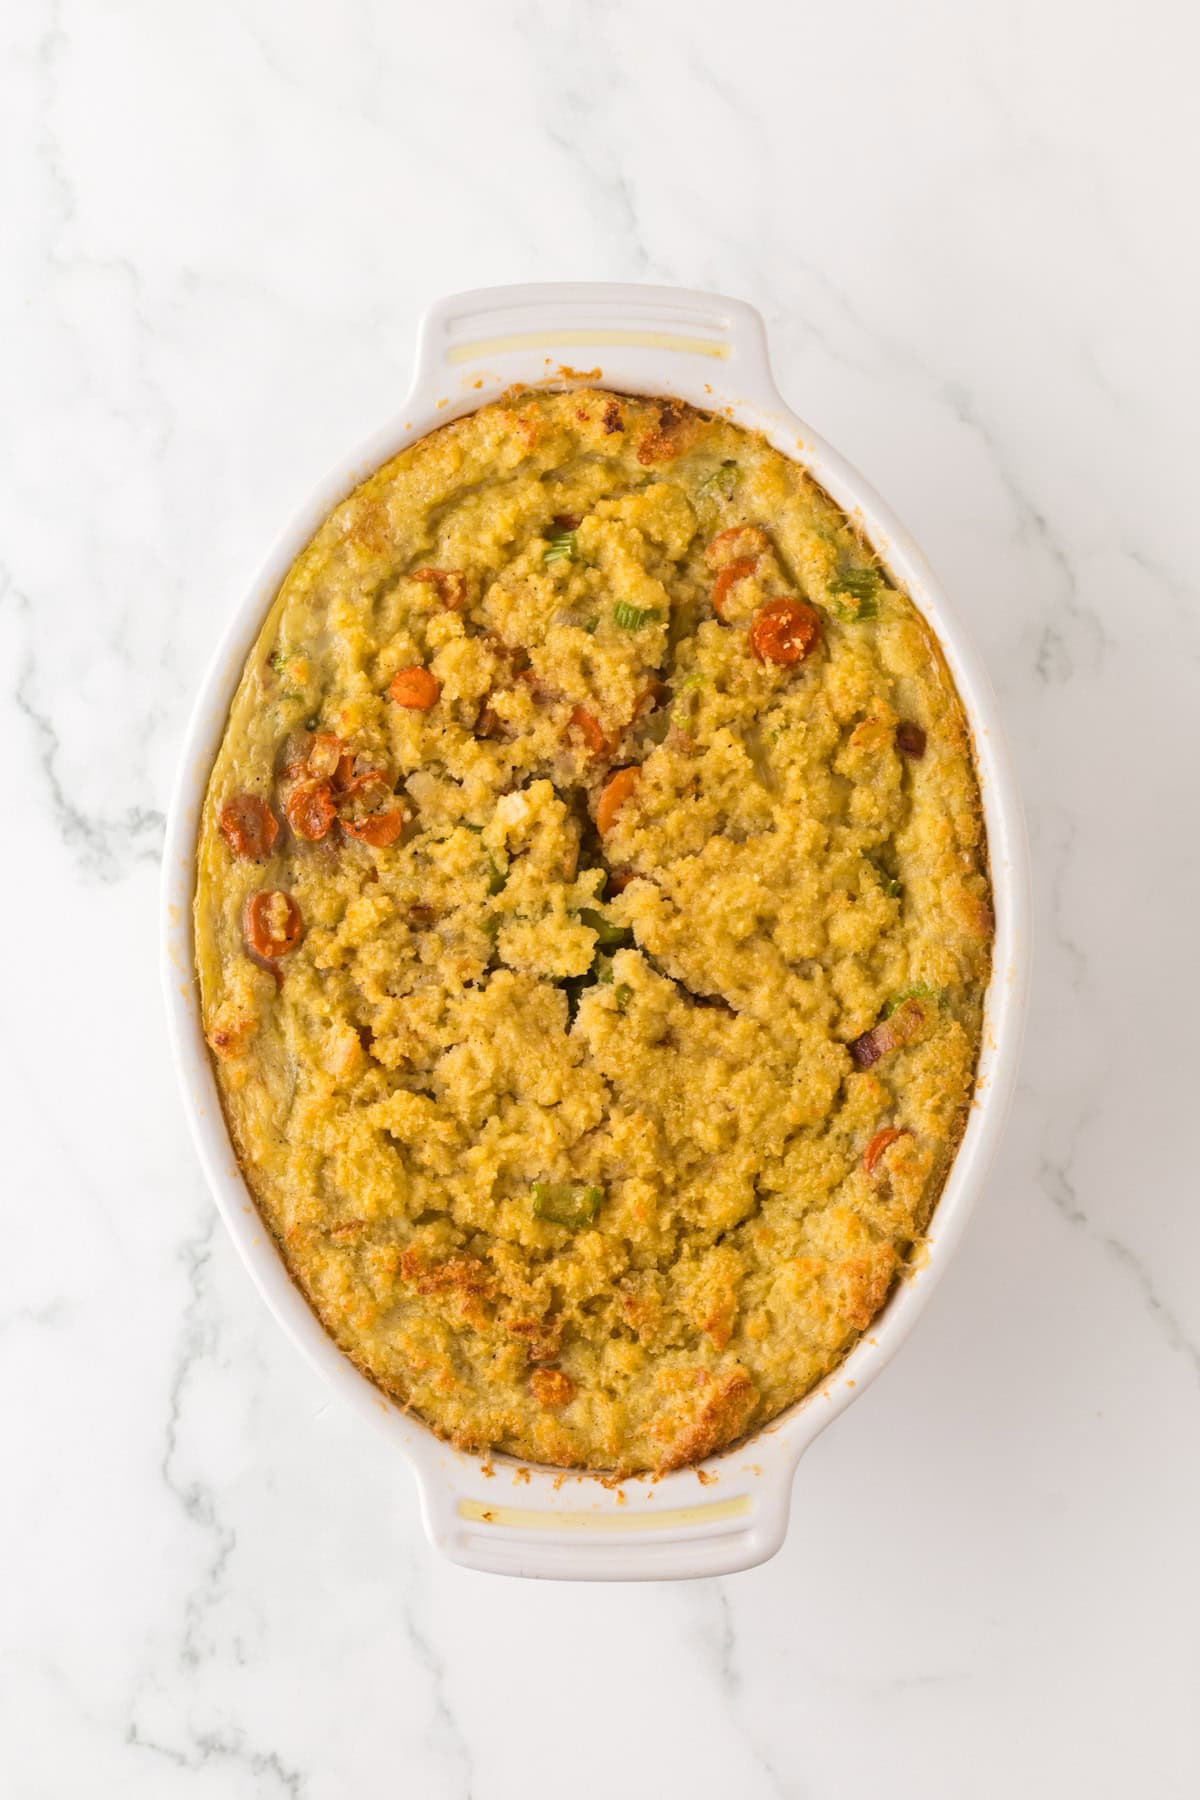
<point>593,925</point>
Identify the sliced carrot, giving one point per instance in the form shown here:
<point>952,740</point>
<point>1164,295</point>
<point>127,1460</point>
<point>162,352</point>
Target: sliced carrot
<point>416,688</point>
<point>729,577</point>
<point>883,1140</point>
<point>324,754</point>
<point>744,540</point>
<point>618,881</point>
<point>784,631</point>
<point>273,924</point>
<point>451,585</point>
<point>379,827</point>
<point>539,693</point>
<point>616,790</point>
<point>589,728</point>
<point>248,826</point>
<point>651,696</point>
<point>365,781</point>
<point>310,809</point>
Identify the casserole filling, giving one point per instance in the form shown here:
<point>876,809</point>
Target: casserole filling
<point>593,923</point>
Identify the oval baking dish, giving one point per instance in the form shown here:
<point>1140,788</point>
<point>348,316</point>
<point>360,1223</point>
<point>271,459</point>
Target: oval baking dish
<point>502,1516</point>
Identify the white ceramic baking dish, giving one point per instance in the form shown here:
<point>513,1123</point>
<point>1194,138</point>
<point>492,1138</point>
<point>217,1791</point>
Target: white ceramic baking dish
<point>500,1515</point>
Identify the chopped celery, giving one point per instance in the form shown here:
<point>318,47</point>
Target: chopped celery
<point>496,875</point>
<point>862,586</point>
<point>608,935</point>
<point>887,881</point>
<point>563,1203</point>
<point>721,481</point>
<point>920,990</point>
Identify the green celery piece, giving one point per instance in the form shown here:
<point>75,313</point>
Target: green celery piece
<point>920,990</point>
<point>679,714</point>
<point>496,875</point>
<point>608,935</point>
<point>862,586</point>
<point>563,1203</point>
<point>888,883</point>
<point>720,481</point>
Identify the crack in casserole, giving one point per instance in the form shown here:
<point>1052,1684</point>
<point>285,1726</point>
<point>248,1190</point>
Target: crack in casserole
<point>593,925</point>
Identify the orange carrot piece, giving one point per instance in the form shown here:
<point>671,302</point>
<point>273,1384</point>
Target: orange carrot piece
<point>616,790</point>
<point>377,829</point>
<point>380,827</point>
<point>748,540</point>
<point>451,585</point>
<point>589,728</point>
<point>324,754</point>
<point>310,810</point>
<point>415,688</point>
<point>248,826</point>
<point>273,923</point>
<point>784,631</point>
<point>883,1140</point>
<point>729,577</point>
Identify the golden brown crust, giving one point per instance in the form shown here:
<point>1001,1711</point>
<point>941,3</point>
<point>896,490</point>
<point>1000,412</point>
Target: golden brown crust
<point>723,1415</point>
<point>551,1388</point>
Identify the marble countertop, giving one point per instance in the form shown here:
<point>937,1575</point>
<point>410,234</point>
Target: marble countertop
<point>970,231</point>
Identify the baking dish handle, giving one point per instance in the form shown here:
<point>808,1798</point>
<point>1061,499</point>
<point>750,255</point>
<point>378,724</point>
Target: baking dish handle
<point>488,337</point>
<point>506,1520</point>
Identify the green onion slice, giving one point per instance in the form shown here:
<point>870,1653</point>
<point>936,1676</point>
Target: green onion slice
<point>632,618</point>
<point>561,548</point>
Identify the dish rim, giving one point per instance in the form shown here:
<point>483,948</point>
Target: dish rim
<point>730,1511</point>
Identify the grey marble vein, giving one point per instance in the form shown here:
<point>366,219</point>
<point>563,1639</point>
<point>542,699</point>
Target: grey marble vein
<point>198,1337</point>
<point>209,1749</point>
<point>106,845</point>
<point>724,1648</point>
<point>1057,1185</point>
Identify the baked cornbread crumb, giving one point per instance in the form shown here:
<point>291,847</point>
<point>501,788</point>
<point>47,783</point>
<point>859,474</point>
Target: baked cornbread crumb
<point>592,923</point>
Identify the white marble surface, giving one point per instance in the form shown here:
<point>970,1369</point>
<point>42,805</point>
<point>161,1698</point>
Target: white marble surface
<point>971,230</point>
